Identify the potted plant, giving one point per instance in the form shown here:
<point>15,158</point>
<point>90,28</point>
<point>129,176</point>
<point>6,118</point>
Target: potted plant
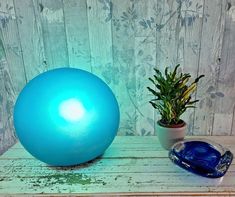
<point>173,96</point>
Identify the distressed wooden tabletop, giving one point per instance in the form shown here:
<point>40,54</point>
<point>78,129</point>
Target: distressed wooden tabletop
<point>131,166</point>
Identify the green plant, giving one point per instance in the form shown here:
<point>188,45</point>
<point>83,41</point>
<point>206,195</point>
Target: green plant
<point>173,94</point>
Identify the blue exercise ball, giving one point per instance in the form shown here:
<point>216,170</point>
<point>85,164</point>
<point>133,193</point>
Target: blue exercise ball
<point>66,117</point>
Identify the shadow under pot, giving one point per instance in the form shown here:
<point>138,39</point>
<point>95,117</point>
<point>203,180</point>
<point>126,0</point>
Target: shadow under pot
<point>168,135</point>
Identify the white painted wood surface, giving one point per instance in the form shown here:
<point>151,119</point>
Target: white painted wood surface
<point>130,166</point>
<point>121,41</point>
<point>224,109</point>
<point>212,35</point>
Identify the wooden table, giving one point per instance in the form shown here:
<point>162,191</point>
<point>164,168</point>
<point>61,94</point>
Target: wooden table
<point>131,166</point>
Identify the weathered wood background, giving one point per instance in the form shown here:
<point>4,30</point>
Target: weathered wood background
<point>121,41</point>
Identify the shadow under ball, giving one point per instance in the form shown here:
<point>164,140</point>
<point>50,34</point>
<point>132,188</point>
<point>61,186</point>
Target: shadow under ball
<point>66,116</point>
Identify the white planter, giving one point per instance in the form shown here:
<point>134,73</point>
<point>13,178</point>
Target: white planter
<point>169,135</point>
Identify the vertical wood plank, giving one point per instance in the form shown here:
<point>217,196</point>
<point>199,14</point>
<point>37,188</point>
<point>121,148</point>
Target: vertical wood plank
<point>224,108</point>
<point>7,99</point>
<point>145,49</point>
<point>31,38</point>
<point>76,23</point>
<point>209,64</point>
<point>191,17</point>
<point>11,43</point>
<point>54,34</point>
<point>167,33</point>
<point>99,34</point>
<point>145,61</point>
<point>124,17</point>
<point>12,75</point>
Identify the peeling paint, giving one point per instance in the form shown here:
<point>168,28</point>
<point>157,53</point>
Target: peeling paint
<point>61,178</point>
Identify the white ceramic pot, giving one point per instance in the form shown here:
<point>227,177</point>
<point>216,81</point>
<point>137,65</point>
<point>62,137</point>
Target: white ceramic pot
<point>170,135</point>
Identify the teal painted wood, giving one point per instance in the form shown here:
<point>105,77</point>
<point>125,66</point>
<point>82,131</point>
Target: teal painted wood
<point>12,76</point>
<point>11,41</point>
<point>54,33</point>
<point>100,36</point>
<point>31,39</point>
<point>145,61</point>
<point>7,99</point>
<point>77,34</point>
<point>132,165</point>
<point>145,47</point>
<point>124,17</point>
<point>121,41</point>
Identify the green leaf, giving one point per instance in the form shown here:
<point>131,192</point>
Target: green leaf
<point>192,102</point>
<point>150,79</point>
<point>166,72</point>
<point>190,106</point>
<point>153,104</point>
<point>154,92</point>
<point>198,78</point>
<point>158,72</point>
<point>175,70</point>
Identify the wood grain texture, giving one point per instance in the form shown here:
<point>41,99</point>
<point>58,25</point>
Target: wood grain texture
<point>145,61</point>
<point>100,35</point>
<point>7,99</point>
<point>12,77</point>
<point>54,33</point>
<point>115,173</point>
<point>189,47</point>
<point>224,108</point>
<point>145,47</point>
<point>31,38</point>
<point>121,41</point>
<point>11,40</point>
<point>124,17</point>
<point>77,34</point>
<point>210,63</point>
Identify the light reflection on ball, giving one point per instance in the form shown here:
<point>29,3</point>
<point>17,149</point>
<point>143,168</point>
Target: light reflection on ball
<point>71,109</point>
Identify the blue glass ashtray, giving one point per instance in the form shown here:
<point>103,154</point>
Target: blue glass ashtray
<point>202,157</point>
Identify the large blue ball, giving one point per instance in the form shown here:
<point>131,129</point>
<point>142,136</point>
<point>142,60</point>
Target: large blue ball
<point>66,117</point>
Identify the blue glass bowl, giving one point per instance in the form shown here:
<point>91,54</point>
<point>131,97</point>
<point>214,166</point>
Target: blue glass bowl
<point>202,157</point>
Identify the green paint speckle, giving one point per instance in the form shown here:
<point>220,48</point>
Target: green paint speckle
<point>65,178</point>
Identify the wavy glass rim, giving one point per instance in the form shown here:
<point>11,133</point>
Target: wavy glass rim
<point>219,170</point>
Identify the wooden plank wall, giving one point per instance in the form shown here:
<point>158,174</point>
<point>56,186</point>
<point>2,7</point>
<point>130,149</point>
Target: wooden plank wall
<point>121,41</point>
